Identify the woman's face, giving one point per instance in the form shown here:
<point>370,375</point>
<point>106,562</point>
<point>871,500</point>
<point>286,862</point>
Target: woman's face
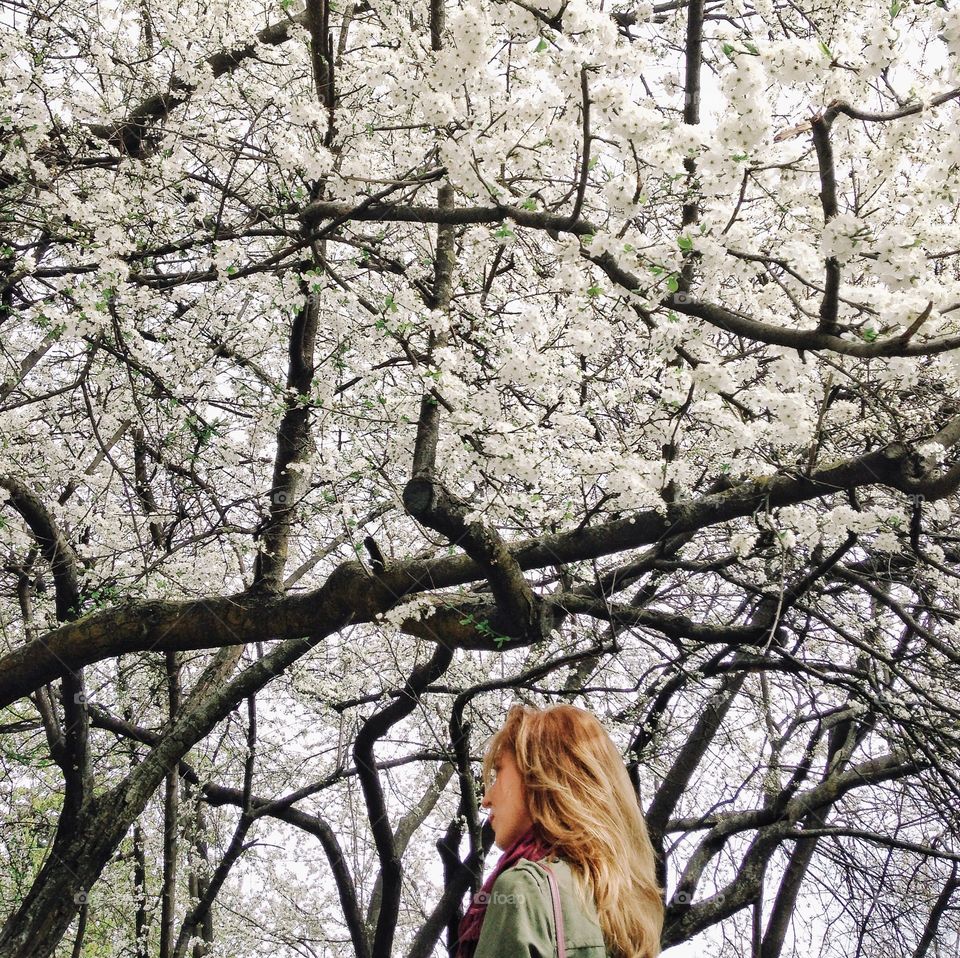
<point>507,801</point>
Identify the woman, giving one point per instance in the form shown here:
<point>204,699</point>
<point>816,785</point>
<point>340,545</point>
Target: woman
<point>559,797</point>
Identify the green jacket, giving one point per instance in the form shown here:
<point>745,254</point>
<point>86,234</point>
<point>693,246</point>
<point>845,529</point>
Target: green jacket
<point>519,918</point>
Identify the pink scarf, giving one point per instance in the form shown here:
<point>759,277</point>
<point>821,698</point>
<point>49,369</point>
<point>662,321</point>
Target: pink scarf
<point>526,846</point>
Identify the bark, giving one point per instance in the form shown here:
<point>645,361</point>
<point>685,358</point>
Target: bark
<point>77,856</point>
<point>131,135</point>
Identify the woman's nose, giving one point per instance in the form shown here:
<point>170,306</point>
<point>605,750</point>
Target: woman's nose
<point>485,801</point>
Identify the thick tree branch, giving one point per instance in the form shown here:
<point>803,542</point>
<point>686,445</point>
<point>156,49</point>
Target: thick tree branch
<point>371,732</point>
<point>671,624</point>
<point>351,594</point>
<point>53,544</point>
<point>293,448</point>
<point>940,906</point>
<point>828,199</point>
<point>524,613</point>
<point>130,134</point>
<point>405,829</point>
<point>811,340</point>
<point>868,116</point>
<point>693,63</point>
<point>321,53</point>
<point>587,143</point>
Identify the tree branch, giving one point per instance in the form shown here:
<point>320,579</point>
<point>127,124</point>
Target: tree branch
<point>812,340</point>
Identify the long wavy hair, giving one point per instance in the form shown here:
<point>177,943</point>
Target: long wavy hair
<point>583,805</point>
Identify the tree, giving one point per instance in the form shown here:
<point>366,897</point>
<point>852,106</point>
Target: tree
<point>369,366</point>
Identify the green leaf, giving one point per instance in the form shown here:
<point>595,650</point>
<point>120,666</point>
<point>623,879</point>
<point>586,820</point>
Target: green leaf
<point>503,232</point>
<point>752,49</point>
<point>729,49</point>
<point>594,291</point>
<point>825,50</point>
<point>685,243</point>
<point>895,8</point>
<point>541,46</point>
<point>529,204</point>
<point>870,334</point>
<point>673,284</point>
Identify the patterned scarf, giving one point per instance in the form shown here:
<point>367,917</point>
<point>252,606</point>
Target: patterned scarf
<point>526,846</point>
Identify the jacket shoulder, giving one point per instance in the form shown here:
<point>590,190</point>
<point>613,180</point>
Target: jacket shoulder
<point>517,923</point>
<point>581,921</point>
<point>581,924</point>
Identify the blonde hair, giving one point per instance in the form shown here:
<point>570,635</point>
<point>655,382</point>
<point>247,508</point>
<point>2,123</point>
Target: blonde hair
<point>583,805</point>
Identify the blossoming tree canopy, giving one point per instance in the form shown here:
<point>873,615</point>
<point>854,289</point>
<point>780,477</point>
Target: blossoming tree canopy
<point>368,366</point>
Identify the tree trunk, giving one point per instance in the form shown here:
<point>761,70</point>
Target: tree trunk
<point>78,856</point>
<point>171,808</point>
